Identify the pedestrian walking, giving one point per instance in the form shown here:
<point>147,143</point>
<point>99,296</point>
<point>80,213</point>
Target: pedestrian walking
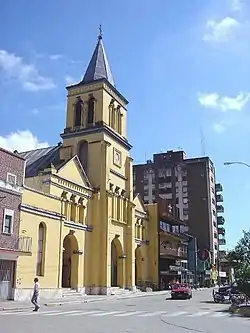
<point>34,299</point>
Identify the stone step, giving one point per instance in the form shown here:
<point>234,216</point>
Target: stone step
<point>70,293</point>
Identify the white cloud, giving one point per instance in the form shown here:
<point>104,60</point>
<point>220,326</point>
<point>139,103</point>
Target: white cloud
<point>21,141</point>
<point>224,103</point>
<point>55,56</point>
<point>71,80</point>
<point>15,68</point>
<point>35,111</point>
<point>221,31</point>
<point>236,5</point>
<point>219,128</point>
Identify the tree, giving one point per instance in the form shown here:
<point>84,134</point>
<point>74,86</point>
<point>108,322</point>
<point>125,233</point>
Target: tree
<point>239,259</point>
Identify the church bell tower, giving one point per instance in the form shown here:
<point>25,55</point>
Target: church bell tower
<point>96,131</point>
<point>96,112</point>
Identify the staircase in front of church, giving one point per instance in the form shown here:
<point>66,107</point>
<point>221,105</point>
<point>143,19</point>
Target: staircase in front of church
<point>114,291</point>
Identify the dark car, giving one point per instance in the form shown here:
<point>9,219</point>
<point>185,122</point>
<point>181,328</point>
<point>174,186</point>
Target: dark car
<point>181,291</point>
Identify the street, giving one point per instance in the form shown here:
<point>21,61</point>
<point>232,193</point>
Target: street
<point>153,314</point>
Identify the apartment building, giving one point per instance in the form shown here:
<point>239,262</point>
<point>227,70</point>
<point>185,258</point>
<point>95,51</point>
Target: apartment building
<point>12,245</point>
<point>188,184</point>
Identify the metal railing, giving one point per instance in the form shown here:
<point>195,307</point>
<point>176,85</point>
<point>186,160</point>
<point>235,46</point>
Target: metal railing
<point>16,243</point>
<point>180,253</point>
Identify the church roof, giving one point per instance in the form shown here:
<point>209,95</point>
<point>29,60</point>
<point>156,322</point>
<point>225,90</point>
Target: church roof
<point>39,159</point>
<point>98,67</point>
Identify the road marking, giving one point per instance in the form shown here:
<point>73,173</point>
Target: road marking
<point>198,314</point>
<point>220,314</point>
<point>35,313</point>
<point>60,313</point>
<point>132,313</point>
<point>13,313</point>
<point>176,314</point>
<point>151,314</point>
<point>83,313</point>
<point>106,313</point>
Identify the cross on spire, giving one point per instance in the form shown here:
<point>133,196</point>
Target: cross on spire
<point>100,32</point>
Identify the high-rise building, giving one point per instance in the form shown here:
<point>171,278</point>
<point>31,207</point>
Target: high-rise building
<point>189,185</point>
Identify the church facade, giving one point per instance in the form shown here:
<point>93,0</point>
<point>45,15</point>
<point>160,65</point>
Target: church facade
<point>89,232</point>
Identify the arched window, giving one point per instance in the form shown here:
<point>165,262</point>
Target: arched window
<point>119,120</point>
<point>41,249</point>
<point>78,111</point>
<point>91,110</point>
<point>83,155</point>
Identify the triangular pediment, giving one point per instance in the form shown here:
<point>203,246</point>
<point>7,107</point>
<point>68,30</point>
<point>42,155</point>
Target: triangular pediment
<point>139,205</point>
<point>73,171</point>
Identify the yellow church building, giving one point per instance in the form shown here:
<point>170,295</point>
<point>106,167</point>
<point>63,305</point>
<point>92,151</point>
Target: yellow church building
<point>89,233</point>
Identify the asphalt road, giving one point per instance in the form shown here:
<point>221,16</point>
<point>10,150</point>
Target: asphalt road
<point>152,314</point>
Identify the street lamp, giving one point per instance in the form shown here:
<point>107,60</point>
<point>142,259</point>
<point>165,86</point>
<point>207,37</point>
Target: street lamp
<point>237,162</point>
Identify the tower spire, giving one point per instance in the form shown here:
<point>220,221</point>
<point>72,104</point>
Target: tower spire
<point>98,67</point>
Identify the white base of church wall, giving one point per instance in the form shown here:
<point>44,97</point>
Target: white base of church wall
<point>81,290</point>
<point>105,290</point>
<point>25,294</point>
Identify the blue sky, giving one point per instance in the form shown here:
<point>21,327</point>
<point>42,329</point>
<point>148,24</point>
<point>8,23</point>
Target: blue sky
<point>183,65</point>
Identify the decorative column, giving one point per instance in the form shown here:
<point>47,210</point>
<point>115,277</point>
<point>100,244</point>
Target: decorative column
<point>118,207</point>
<point>122,208</point>
<point>77,212</point>
<point>125,207</point>
<point>68,208</point>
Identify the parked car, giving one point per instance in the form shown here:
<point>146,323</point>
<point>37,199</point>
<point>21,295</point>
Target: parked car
<point>181,291</point>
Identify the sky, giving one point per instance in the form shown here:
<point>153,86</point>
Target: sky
<point>183,65</point>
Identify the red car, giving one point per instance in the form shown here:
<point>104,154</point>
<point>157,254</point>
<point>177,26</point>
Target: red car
<point>181,291</point>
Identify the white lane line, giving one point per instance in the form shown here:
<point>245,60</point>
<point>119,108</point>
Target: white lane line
<point>11,313</point>
<point>60,313</point>
<point>151,314</point>
<point>105,313</point>
<point>176,314</point>
<point>132,313</point>
<point>83,313</point>
<point>199,314</point>
<point>36,313</point>
<point>219,314</point>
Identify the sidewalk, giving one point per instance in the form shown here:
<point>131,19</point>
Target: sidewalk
<point>18,306</point>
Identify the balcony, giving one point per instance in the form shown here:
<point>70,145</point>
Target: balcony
<point>218,187</point>
<point>174,232</point>
<point>222,241</point>
<point>166,251</point>
<point>221,231</point>
<point>219,198</point>
<point>20,244</point>
<point>220,220</point>
<point>220,209</point>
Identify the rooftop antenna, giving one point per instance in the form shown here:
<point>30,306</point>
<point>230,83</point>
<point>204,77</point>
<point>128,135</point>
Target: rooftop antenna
<point>203,150</point>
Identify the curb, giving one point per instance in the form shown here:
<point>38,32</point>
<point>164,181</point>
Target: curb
<point>51,304</point>
<point>240,311</point>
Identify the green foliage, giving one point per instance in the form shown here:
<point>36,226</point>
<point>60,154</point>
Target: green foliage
<point>243,279</point>
<point>239,258</point>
